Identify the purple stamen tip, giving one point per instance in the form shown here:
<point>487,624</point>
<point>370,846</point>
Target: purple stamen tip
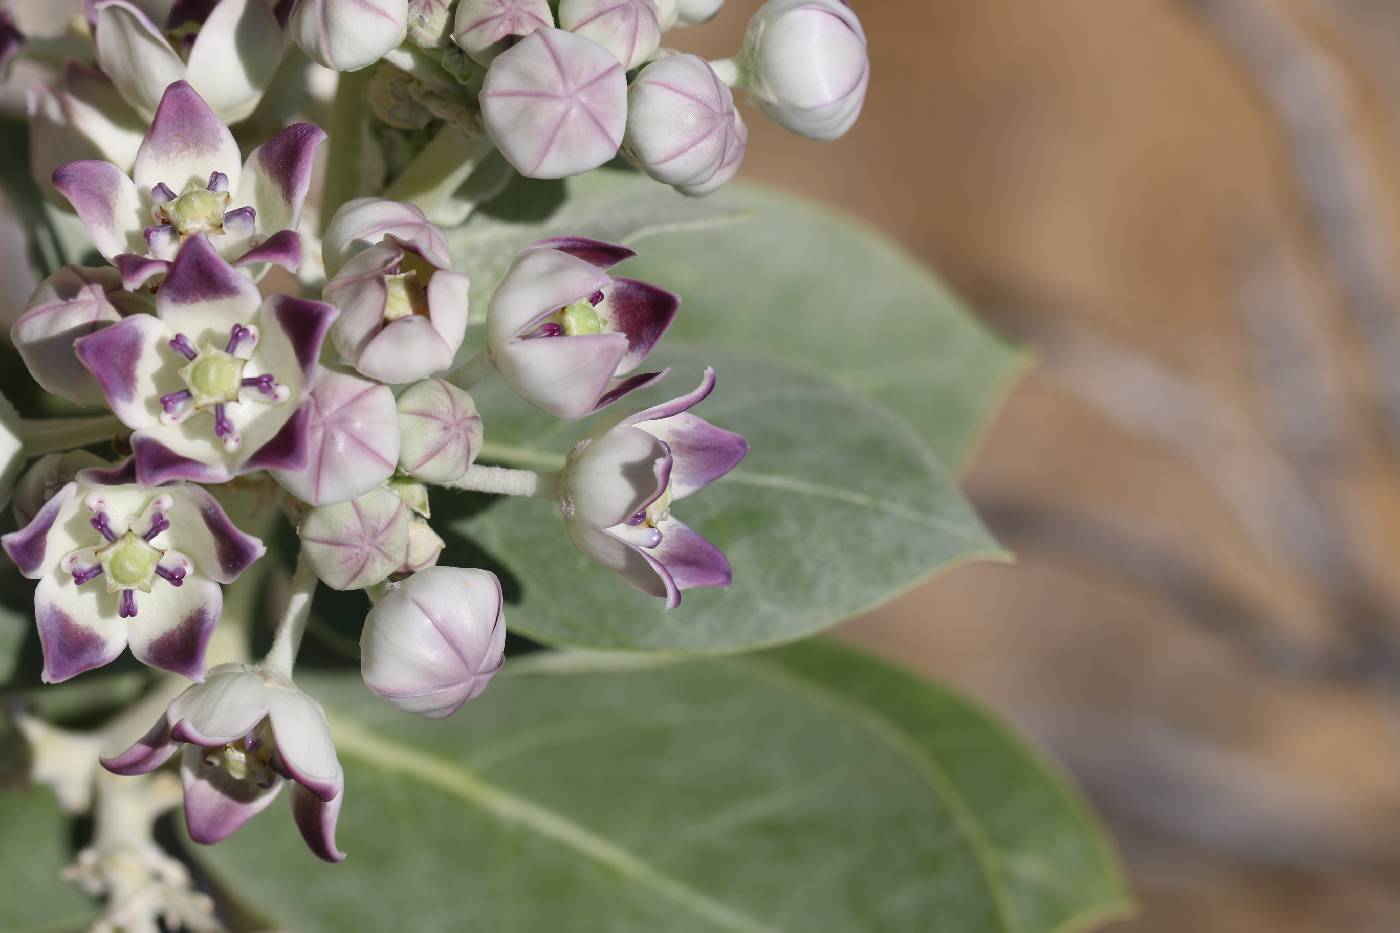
<point>549,330</point>
<point>637,519</point>
<point>83,575</point>
<point>237,335</point>
<point>223,427</point>
<point>103,526</point>
<point>181,345</point>
<point>162,192</point>
<point>127,609</point>
<point>596,298</point>
<point>175,576</point>
<point>265,384</point>
<point>158,524</point>
<point>174,400</point>
<point>218,181</point>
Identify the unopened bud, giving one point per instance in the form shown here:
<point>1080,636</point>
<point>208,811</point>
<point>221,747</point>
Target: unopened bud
<point>626,28</point>
<point>486,28</point>
<point>72,303</point>
<point>429,23</point>
<point>807,65</point>
<point>695,12</point>
<point>352,436</point>
<point>440,431</point>
<point>357,544</point>
<point>347,35</point>
<point>424,547</point>
<point>682,128</point>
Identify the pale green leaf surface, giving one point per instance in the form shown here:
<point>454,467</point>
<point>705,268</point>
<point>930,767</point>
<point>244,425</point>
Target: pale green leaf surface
<point>776,792</point>
<point>33,850</point>
<point>837,508</point>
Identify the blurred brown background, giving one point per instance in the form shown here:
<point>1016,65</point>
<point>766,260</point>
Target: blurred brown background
<point>1188,209</point>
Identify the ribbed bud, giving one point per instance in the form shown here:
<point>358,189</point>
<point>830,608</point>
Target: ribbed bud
<point>357,544</point>
<point>682,128</point>
<point>807,65</point>
<point>440,431</point>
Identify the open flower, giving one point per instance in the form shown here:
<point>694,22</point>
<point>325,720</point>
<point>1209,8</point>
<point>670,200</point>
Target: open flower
<point>230,61</point>
<point>189,180</point>
<point>215,383</point>
<point>619,487</point>
<point>245,730</point>
<point>123,563</point>
<point>561,330</point>
<point>80,115</point>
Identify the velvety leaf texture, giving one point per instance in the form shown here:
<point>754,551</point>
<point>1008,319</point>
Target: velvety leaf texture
<point>809,789</point>
<point>33,898</point>
<point>838,507</point>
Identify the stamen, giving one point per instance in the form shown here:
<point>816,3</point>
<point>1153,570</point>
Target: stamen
<point>175,576</point>
<point>158,524</point>
<point>596,298</point>
<point>237,335</point>
<point>174,401</point>
<point>181,345</point>
<point>218,181</point>
<point>127,609</point>
<point>638,519</point>
<point>223,428</point>
<point>266,384</point>
<point>83,575</point>
<point>103,524</point>
<point>162,192</point>
<point>548,330</point>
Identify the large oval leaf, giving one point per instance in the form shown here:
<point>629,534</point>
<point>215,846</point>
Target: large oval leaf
<point>33,897</point>
<point>805,790</point>
<point>838,507</point>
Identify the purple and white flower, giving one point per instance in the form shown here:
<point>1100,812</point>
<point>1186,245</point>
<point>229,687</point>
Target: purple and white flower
<point>347,35</point>
<point>682,127</point>
<point>486,28</point>
<point>403,311</point>
<point>189,180</point>
<point>215,383</point>
<point>807,66</point>
<point>562,331</point>
<point>242,733</point>
<point>436,641</point>
<point>124,563</point>
<point>555,104</point>
<point>72,303</point>
<point>352,436</point>
<point>440,431</point>
<point>619,487</point>
<point>80,116</point>
<point>626,28</point>
<point>365,222</point>
<point>352,545</point>
<point>230,61</point>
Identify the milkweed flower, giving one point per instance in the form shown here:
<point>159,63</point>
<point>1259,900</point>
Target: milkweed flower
<point>365,222</point>
<point>352,439</point>
<point>619,488</point>
<point>355,544</point>
<point>626,28</point>
<point>215,383</point>
<point>79,116</point>
<point>486,28</point>
<point>562,331</point>
<point>347,35</point>
<point>123,563</point>
<point>242,733</point>
<point>682,128</point>
<point>440,431</point>
<point>190,181</point>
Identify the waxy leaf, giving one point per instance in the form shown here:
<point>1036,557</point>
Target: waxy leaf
<point>810,789</point>
<point>33,897</point>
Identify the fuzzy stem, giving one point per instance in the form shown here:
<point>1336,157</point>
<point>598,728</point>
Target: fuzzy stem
<point>520,457</point>
<point>345,168</point>
<point>48,435</point>
<point>506,482</point>
<point>282,656</point>
<point>436,173</point>
<point>472,371</point>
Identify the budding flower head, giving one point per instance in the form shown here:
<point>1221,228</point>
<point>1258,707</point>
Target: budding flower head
<point>347,35</point>
<point>359,543</point>
<point>555,104</point>
<point>435,642</point>
<point>626,28</point>
<point>682,128</point>
<point>807,65</point>
<point>440,431</point>
<point>486,28</point>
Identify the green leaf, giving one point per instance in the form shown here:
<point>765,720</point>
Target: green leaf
<point>611,204</point>
<point>808,790</point>
<point>821,290</point>
<point>837,508</point>
<point>33,897</point>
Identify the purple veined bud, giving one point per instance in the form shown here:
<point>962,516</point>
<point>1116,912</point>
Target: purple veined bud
<point>72,303</point>
<point>424,546</point>
<point>486,28</point>
<point>347,35</point>
<point>402,315</point>
<point>695,12</point>
<point>359,543</point>
<point>682,128</point>
<point>352,434</point>
<point>733,158</point>
<point>82,116</point>
<point>807,65</point>
<point>435,642</point>
<point>49,474</point>
<point>440,431</point>
<point>430,23</point>
<point>556,104</point>
<point>365,222</point>
<point>626,28</point>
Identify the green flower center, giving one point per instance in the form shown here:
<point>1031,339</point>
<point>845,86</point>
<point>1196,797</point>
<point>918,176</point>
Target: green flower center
<point>197,211</point>
<point>213,377</point>
<point>580,318</point>
<point>408,290</point>
<point>129,563</point>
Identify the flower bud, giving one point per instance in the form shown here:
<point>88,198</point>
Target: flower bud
<point>424,547</point>
<point>429,23</point>
<point>626,28</point>
<point>435,642</point>
<point>682,128</point>
<point>49,474</point>
<point>486,28</point>
<point>365,222</point>
<point>807,65</point>
<point>402,315</point>
<point>413,493</point>
<point>695,12</point>
<point>71,303</point>
<point>440,431</point>
<point>80,117</point>
<point>357,544</point>
<point>352,436</point>
<point>737,145</point>
<point>668,13</point>
<point>555,104</point>
<point>347,35</point>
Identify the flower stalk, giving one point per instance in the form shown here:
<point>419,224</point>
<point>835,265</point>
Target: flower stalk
<point>50,435</point>
<point>282,656</point>
<point>503,481</point>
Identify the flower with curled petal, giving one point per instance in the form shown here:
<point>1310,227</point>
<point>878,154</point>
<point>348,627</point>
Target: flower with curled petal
<point>242,733</point>
<point>230,61</point>
<point>365,222</point>
<point>618,489</point>
<point>682,128</point>
<point>79,116</point>
<point>189,180</point>
<point>626,28</point>
<point>214,384</point>
<point>352,436</point>
<point>555,104</point>
<point>486,28</point>
<point>561,330</point>
<point>121,563</point>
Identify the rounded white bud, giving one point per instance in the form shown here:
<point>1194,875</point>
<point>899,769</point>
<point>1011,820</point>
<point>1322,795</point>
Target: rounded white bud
<point>681,122</point>
<point>695,12</point>
<point>357,544</point>
<point>440,431</point>
<point>807,65</point>
<point>486,28</point>
<point>626,28</point>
